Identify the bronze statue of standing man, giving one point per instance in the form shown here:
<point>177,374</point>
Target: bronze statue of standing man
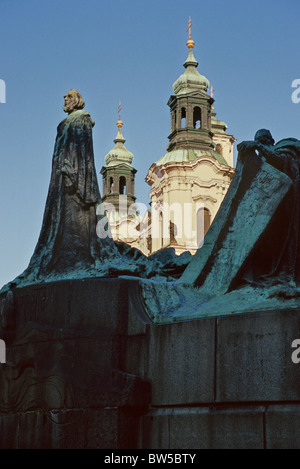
<point>68,246</point>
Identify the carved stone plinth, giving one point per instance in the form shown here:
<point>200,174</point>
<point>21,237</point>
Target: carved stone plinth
<point>64,383</point>
<point>88,368</point>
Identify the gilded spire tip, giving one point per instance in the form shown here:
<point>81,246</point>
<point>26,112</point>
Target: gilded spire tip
<point>119,123</point>
<point>190,43</point>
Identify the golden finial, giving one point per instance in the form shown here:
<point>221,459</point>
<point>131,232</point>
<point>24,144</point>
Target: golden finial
<point>190,28</point>
<point>190,42</point>
<point>211,92</point>
<point>119,123</point>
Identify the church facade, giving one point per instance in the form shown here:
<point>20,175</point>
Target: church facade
<point>187,184</point>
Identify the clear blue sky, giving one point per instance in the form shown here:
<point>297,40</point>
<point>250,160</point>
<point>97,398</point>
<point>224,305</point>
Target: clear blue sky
<point>130,51</point>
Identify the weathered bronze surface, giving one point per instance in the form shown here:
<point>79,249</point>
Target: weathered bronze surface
<point>250,258</point>
<point>252,244</point>
<point>87,366</point>
<point>256,232</point>
<point>68,245</point>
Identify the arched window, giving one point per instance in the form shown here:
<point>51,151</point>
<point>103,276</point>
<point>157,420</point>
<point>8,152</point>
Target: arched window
<point>219,149</point>
<point>173,120</point>
<point>173,231</point>
<point>197,117</point>
<point>203,224</point>
<point>111,185</point>
<point>161,221</point>
<point>122,185</point>
<point>183,118</point>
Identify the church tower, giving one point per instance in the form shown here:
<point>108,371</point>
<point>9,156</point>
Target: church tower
<point>118,174</point>
<point>190,181</point>
<point>190,107</point>
<point>118,193</point>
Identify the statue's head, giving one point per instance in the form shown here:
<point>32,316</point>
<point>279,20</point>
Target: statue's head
<point>73,101</point>
<point>264,136</point>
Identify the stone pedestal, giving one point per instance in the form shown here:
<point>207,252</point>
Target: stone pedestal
<point>86,368</point>
<point>225,382</point>
<point>64,383</point>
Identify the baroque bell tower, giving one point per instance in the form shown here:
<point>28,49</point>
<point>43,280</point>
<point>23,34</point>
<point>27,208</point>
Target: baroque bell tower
<point>118,194</point>
<point>189,182</point>
<point>119,174</point>
<point>191,107</point>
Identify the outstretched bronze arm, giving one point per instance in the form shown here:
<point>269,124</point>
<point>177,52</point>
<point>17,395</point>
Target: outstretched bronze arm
<point>266,151</point>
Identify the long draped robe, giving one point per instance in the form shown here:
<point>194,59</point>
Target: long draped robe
<point>255,236</point>
<point>275,258</point>
<point>68,244</point>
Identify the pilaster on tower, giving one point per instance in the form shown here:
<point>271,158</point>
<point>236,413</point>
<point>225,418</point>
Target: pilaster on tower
<point>119,174</point>
<point>190,106</point>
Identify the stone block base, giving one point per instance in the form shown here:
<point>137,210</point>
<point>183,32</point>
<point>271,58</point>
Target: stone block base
<point>86,369</point>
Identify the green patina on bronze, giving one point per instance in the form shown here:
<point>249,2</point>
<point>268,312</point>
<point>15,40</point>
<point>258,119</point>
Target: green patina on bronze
<point>250,260</point>
<point>251,254</point>
<point>69,246</point>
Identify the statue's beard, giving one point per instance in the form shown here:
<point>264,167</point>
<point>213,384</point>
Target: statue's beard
<point>68,108</point>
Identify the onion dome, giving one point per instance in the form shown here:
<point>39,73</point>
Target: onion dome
<point>119,154</point>
<point>191,79</point>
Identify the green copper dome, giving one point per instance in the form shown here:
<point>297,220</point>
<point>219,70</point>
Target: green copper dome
<point>191,79</point>
<point>184,155</point>
<point>119,154</point>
